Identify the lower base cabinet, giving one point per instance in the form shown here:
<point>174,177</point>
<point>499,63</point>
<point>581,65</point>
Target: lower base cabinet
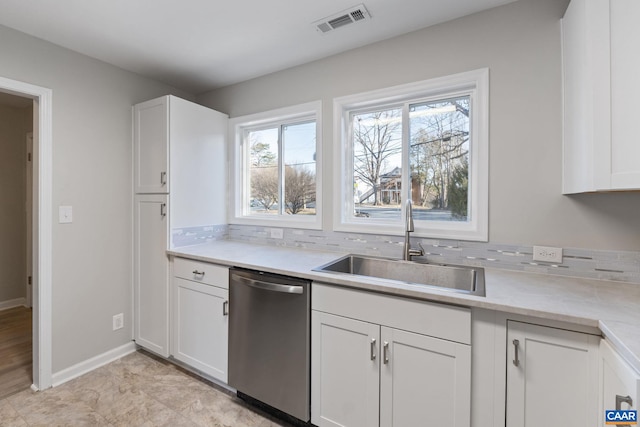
<point>367,374</point>
<point>620,383</point>
<point>345,371</point>
<point>424,380</point>
<point>200,317</point>
<point>552,377</point>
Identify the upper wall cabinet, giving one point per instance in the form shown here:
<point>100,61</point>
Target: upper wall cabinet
<point>601,93</point>
<point>151,146</point>
<point>180,149</point>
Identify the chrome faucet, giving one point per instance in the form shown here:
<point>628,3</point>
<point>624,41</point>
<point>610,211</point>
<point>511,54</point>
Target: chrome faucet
<point>408,252</point>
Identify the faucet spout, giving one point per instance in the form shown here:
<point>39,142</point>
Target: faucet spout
<point>408,252</point>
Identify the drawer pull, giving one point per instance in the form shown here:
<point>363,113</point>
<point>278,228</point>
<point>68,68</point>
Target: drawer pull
<point>198,273</point>
<point>516,361</point>
<point>373,349</point>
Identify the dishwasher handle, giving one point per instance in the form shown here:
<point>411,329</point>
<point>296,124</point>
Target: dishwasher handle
<point>267,286</point>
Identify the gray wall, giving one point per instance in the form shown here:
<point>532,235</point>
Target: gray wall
<point>92,171</point>
<point>520,44</point>
<point>15,122</point>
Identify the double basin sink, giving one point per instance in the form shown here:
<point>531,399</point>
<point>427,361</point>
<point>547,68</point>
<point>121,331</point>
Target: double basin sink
<point>462,279</point>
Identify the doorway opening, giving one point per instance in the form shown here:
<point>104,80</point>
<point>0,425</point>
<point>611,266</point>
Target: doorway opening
<point>38,288</point>
<point>16,145</point>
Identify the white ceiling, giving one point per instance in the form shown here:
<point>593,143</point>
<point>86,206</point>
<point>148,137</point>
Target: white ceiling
<point>199,45</point>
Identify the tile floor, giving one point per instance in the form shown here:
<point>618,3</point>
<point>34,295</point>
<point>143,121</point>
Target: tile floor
<point>137,390</point>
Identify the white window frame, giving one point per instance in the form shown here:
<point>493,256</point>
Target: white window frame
<point>472,83</point>
<point>240,186</point>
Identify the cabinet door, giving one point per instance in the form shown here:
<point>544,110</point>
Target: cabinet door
<point>625,92</point>
<point>151,274</point>
<point>551,377</point>
<point>620,384</point>
<point>424,381</point>
<point>151,146</point>
<point>344,371</point>
<point>198,153</point>
<point>200,327</point>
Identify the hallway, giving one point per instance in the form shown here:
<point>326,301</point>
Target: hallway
<point>15,350</point>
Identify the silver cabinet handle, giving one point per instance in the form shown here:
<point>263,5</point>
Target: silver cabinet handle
<point>619,401</point>
<point>385,351</point>
<point>516,361</point>
<point>275,287</point>
<point>225,308</point>
<point>163,178</point>
<point>373,349</point>
<point>198,273</point>
<point>623,399</point>
<point>163,210</point>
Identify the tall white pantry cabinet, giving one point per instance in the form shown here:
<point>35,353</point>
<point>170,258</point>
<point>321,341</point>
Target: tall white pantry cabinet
<point>179,182</point>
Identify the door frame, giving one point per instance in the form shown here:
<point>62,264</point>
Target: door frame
<point>42,223</point>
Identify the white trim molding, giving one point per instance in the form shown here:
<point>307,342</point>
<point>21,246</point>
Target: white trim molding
<point>18,302</point>
<point>89,365</point>
<point>42,226</point>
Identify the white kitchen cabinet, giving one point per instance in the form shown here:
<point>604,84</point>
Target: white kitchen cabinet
<point>179,151</point>
<point>552,377</point>
<point>600,68</point>
<point>373,365</point>
<point>619,382</point>
<point>200,316</point>
<point>151,273</point>
<point>151,146</point>
<point>345,369</point>
<point>424,380</point>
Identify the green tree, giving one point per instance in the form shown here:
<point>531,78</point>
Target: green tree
<point>299,187</point>
<point>459,191</point>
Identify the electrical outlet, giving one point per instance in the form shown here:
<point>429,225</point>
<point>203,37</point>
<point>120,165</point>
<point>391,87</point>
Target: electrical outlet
<point>118,321</point>
<point>277,233</point>
<point>547,254</point>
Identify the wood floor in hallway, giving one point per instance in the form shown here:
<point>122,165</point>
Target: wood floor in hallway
<point>15,350</point>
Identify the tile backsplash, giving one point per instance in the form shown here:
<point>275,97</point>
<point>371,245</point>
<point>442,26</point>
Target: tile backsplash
<point>622,266</point>
<point>196,235</point>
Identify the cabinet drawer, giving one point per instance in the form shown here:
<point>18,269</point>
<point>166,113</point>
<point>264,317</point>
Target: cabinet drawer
<point>433,319</point>
<point>201,272</point>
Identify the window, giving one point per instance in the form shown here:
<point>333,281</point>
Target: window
<point>277,167</point>
<point>427,141</point>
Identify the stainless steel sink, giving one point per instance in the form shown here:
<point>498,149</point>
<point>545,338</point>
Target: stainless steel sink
<point>456,278</point>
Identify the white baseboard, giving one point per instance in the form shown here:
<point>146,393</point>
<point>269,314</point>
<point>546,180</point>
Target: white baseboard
<point>89,365</point>
<point>4,305</point>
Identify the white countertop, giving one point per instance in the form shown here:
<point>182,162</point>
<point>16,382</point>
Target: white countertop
<point>613,307</point>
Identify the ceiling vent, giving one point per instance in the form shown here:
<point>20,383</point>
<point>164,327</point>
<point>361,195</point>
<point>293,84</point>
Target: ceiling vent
<point>346,17</point>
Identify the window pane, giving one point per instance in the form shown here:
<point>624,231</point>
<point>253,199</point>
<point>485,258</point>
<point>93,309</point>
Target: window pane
<point>377,164</point>
<point>300,168</point>
<point>439,159</point>
<point>263,171</point>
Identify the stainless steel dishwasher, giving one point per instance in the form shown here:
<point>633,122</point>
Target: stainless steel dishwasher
<point>269,340</point>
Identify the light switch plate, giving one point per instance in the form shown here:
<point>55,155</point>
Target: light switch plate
<point>65,214</point>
